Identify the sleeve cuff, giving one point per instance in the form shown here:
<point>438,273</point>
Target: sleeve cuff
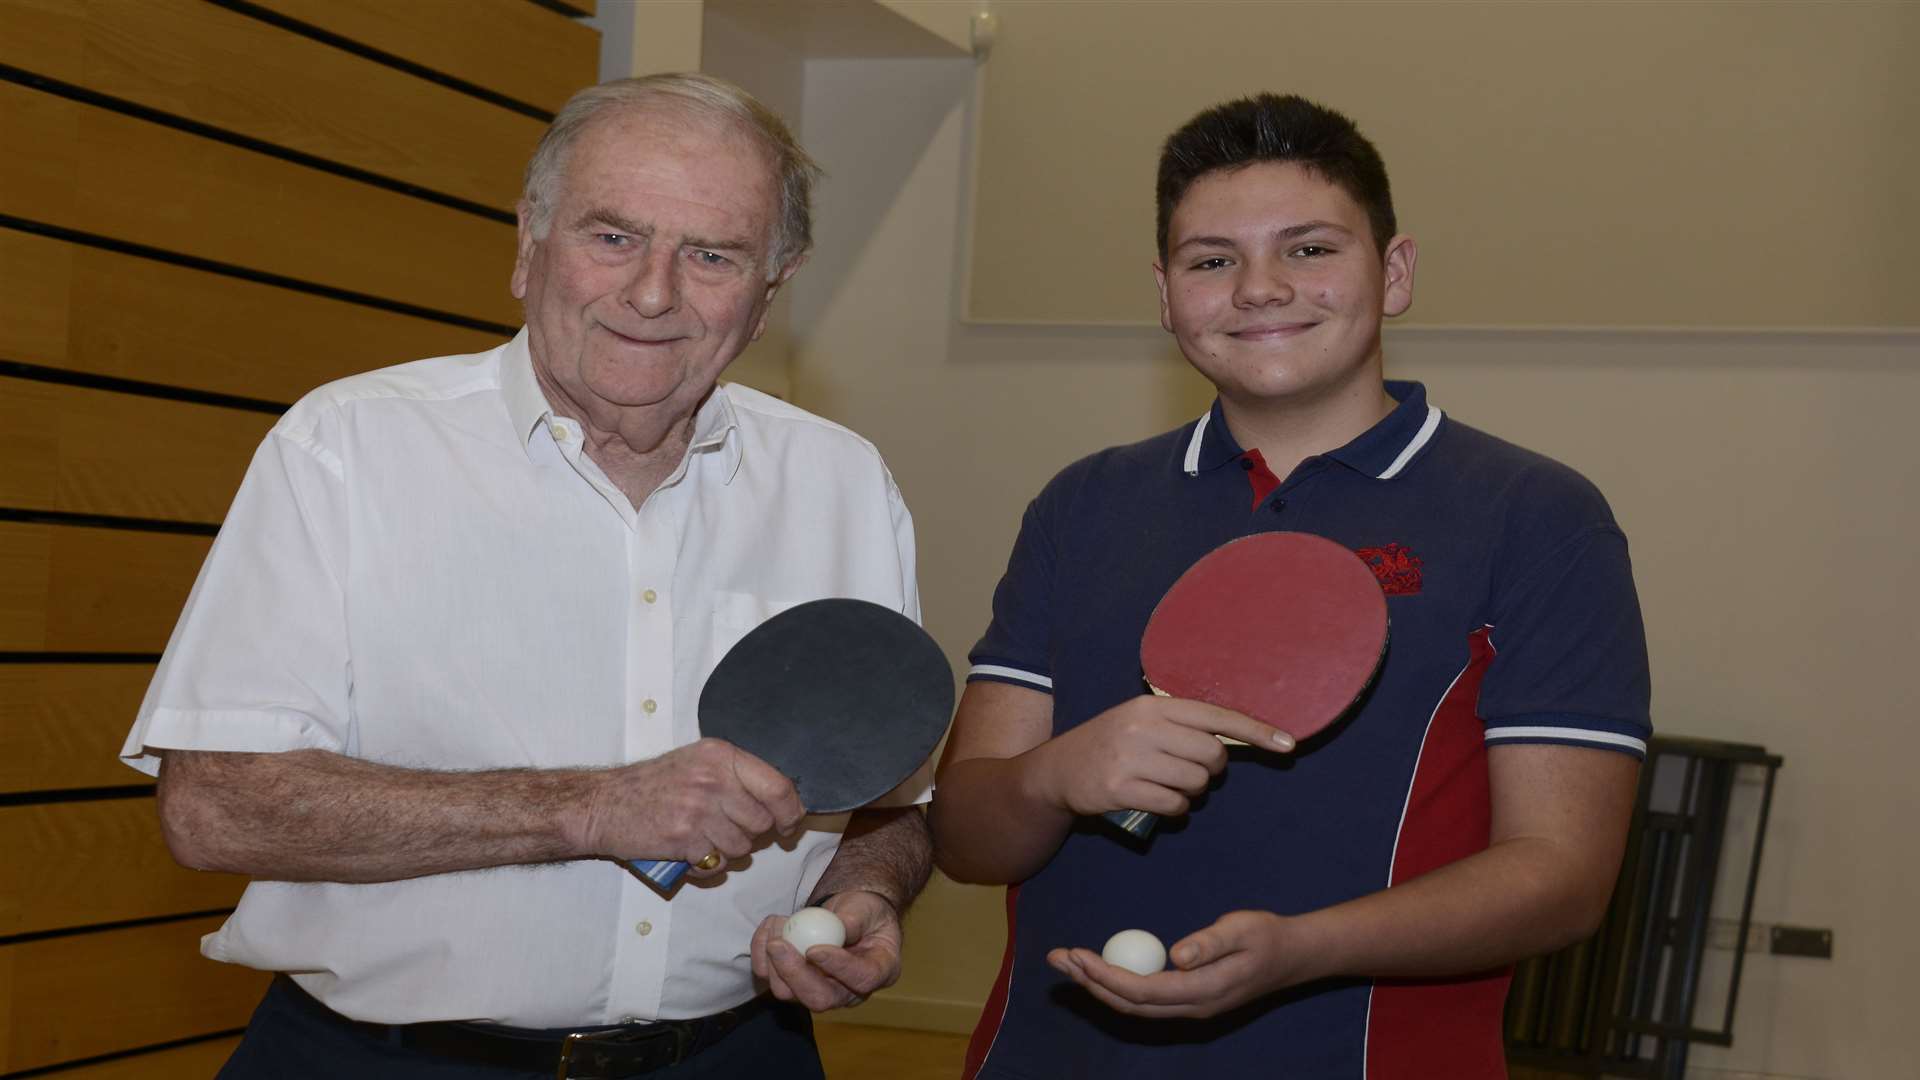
<point>1587,731</point>
<point>243,731</point>
<point>1015,676</point>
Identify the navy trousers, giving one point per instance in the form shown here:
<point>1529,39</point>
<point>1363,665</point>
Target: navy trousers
<point>294,1039</point>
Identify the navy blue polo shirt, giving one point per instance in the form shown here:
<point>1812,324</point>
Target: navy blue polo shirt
<point>1514,620</point>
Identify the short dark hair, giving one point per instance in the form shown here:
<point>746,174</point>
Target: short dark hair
<point>1270,127</point>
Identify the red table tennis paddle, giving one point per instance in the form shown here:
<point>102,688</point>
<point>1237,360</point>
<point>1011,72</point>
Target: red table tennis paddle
<point>1286,627</point>
<point>845,698</point>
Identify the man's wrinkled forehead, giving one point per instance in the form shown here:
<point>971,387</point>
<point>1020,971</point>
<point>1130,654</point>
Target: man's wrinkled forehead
<point>703,151</point>
<point>672,126</point>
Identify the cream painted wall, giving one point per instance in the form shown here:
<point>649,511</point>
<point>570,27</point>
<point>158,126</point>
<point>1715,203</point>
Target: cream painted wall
<point>1766,480</point>
<point>949,20</point>
<point>640,38</point>
<point>1597,163</point>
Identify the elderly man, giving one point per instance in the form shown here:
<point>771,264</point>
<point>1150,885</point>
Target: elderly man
<point>438,678</point>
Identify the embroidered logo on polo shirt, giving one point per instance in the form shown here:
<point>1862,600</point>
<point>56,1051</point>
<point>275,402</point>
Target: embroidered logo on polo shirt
<point>1396,568</point>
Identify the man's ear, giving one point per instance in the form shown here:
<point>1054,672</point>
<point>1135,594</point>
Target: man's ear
<point>786,272</point>
<point>1401,255</point>
<point>766,299</point>
<point>523,251</point>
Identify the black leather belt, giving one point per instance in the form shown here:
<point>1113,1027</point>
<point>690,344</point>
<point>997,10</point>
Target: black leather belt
<point>592,1053</point>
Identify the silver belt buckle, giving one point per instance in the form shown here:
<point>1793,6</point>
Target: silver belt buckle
<point>682,1042</point>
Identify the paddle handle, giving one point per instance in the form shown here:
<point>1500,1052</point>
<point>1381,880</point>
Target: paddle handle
<point>662,872</point>
<point>1138,822</point>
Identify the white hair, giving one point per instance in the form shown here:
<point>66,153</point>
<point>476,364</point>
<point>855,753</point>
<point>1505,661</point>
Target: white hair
<point>694,93</point>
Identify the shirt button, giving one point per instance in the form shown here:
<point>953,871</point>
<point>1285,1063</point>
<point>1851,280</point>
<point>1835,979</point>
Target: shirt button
<point>559,433</point>
<point>648,706</point>
<point>643,928</point>
<point>1279,505</point>
<point>649,596</point>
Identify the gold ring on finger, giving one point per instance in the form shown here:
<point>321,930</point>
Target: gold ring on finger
<point>709,861</point>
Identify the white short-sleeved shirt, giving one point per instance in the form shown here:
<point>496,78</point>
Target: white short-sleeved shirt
<point>423,568</point>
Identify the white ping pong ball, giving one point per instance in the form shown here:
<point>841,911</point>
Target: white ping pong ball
<point>814,926</point>
<point>1135,950</point>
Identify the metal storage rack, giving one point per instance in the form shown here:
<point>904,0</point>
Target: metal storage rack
<point>1622,1003</point>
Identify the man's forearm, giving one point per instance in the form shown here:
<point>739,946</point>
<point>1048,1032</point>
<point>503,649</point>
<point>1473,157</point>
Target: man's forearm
<point>1559,828</point>
<point>312,815</point>
<point>1516,899</point>
<point>991,830</point>
<point>884,851</point>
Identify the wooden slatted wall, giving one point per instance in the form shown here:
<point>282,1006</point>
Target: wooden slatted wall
<point>207,207</point>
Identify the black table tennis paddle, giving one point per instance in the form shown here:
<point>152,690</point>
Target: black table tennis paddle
<point>845,698</point>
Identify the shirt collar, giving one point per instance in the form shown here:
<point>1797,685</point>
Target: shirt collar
<point>1212,445</point>
<point>1383,451</point>
<point>526,403</point>
<point>714,426</point>
<point>716,430</point>
<point>1388,447</point>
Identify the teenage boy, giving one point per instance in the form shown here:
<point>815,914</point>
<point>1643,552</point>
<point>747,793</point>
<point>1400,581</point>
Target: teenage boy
<point>1348,907</point>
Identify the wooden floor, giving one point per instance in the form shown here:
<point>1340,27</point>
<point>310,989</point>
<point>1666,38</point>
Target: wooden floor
<point>854,1052</point>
